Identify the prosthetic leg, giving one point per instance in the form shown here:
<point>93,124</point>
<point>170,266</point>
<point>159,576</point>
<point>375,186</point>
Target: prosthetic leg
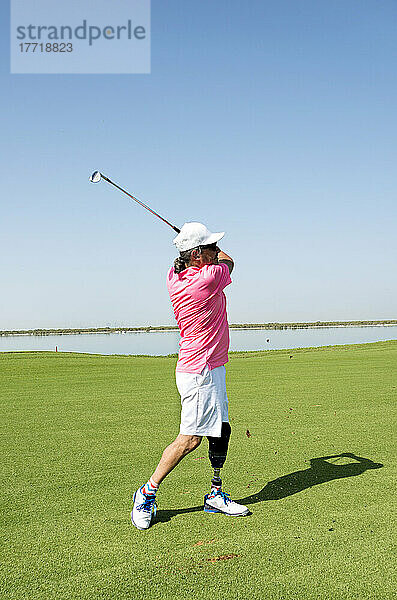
<point>217,501</point>
<point>217,452</point>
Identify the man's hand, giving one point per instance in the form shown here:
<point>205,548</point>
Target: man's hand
<point>225,259</point>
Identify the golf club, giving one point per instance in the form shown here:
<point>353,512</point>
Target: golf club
<point>97,176</point>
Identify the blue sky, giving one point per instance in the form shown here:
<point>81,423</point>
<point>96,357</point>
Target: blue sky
<point>273,121</point>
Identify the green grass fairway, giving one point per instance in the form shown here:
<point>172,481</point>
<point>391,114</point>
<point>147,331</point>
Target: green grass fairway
<point>81,432</point>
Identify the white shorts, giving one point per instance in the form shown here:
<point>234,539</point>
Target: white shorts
<point>204,401</point>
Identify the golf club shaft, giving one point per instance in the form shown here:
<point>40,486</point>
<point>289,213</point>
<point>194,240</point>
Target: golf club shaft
<point>139,202</point>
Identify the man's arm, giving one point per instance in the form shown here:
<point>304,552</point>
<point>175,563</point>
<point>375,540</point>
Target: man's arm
<point>225,259</point>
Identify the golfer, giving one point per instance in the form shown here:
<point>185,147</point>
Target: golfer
<point>195,284</point>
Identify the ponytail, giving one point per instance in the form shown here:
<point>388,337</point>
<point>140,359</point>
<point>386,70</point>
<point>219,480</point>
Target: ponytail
<point>179,265</point>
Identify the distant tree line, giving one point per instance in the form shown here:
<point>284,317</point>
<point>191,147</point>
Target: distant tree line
<point>311,324</point>
<point>77,331</point>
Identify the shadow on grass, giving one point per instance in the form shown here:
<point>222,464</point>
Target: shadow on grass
<point>320,471</point>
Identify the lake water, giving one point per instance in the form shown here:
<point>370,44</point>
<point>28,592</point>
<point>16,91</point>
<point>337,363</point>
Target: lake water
<point>158,343</point>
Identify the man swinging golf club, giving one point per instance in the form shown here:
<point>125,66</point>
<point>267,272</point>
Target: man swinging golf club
<point>195,284</point>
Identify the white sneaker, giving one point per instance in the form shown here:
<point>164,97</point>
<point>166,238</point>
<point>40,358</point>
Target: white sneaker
<point>144,510</point>
<point>221,502</point>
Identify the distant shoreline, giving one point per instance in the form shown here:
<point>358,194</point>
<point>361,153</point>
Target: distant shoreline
<point>148,329</point>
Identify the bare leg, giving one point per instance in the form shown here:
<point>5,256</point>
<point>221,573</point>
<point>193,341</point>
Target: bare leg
<point>173,454</point>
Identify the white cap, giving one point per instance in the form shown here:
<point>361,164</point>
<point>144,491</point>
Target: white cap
<point>195,234</point>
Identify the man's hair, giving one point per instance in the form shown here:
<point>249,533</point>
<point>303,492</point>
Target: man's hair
<point>181,263</point>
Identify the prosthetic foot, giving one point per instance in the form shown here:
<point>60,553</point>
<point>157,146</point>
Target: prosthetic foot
<point>221,502</point>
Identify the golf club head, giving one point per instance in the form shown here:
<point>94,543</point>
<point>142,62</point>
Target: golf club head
<point>95,177</point>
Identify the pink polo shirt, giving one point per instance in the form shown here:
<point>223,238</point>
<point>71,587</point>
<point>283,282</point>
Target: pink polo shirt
<point>200,310</point>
